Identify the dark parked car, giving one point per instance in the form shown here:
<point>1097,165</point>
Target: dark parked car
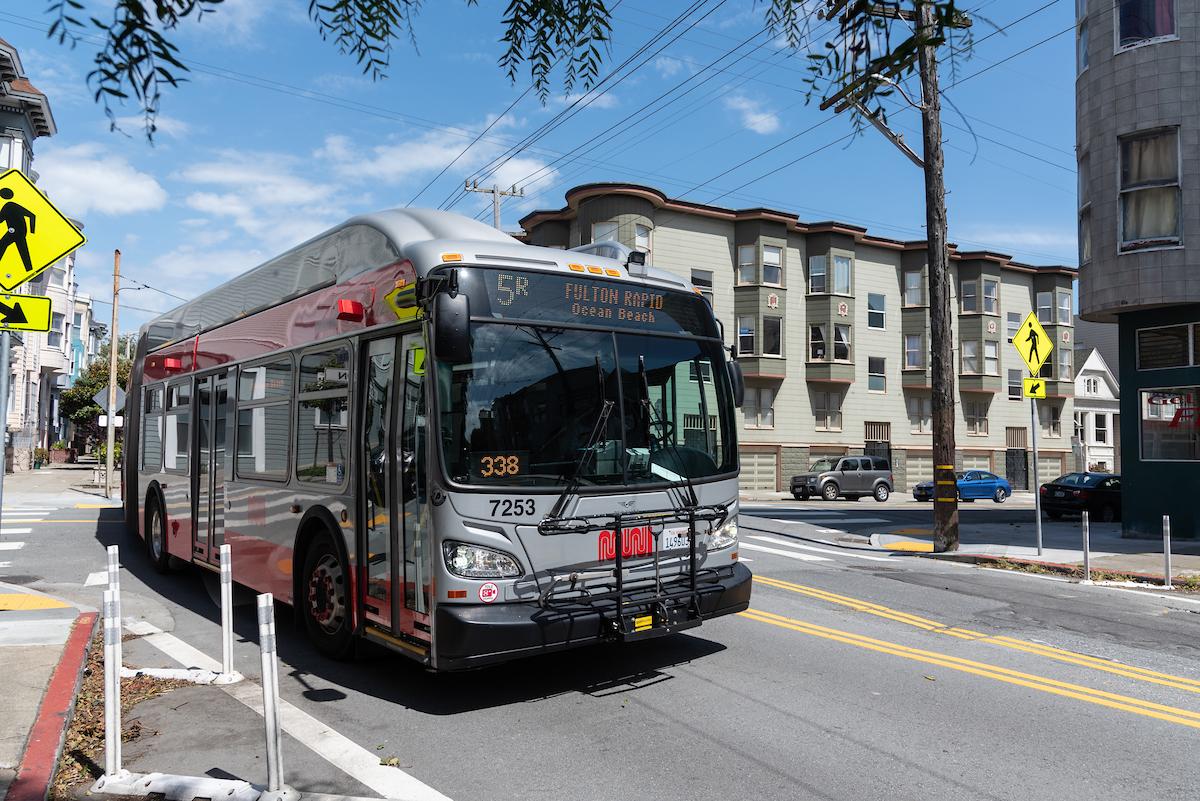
<point>847,476</point>
<point>972,485</point>
<point>1098,493</point>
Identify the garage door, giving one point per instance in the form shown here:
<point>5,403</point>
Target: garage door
<point>977,461</point>
<point>920,468</point>
<point>1049,467</point>
<point>758,471</point>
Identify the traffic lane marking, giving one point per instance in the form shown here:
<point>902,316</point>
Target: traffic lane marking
<point>800,557</point>
<point>11,546</point>
<point>335,748</point>
<point>815,549</point>
<point>8,532</point>
<point>1079,692</point>
<point>959,632</point>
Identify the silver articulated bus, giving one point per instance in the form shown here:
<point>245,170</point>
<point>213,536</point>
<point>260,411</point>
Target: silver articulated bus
<point>420,431</point>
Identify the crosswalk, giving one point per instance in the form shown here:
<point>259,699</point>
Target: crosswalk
<point>11,520</point>
<point>801,551</point>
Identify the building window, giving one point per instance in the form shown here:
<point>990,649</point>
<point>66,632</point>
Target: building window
<point>976,412</point>
<point>1101,428</point>
<point>876,374</point>
<point>745,336</point>
<point>970,357</point>
<point>641,238</point>
<point>841,274</point>
<point>1051,417</point>
<point>913,296</point>
<point>969,296</point>
<point>747,264</point>
<point>1047,371</point>
<point>1150,189</point>
<point>841,343</point>
<point>1085,235</point>
<point>772,265</point>
<point>1064,364</point>
<point>991,296</point>
<point>1015,385</point>
<point>914,352</point>
<point>759,407</point>
<point>772,336</point>
<point>816,343</point>
<point>604,232</point>
<point>1014,324</point>
<point>817,266</point>
<point>1080,428</point>
<point>1142,21</point>
<point>991,358</point>
<point>1081,44</point>
<point>1045,307</point>
<point>78,319</point>
<point>54,337</point>
<point>827,411</point>
<point>876,311</point>
<point>1064,307</point>
<point>703,280</point>
<point>1169,346</point>
<point>920,414</point>
<point>1169,430</point>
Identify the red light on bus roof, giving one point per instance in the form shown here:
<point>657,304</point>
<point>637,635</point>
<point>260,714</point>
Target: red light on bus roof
<point>349,310</point>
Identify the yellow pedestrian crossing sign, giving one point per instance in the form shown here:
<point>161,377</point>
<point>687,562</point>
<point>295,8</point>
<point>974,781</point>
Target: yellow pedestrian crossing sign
<point>33,234</point>
<point>1035,387</point>
<point>1033,343</point>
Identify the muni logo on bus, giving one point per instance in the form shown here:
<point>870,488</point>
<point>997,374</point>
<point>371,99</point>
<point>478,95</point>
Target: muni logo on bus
<point>636,541</point>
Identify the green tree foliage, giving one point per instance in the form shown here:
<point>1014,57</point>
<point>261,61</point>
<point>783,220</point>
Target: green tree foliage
<point>859,56</point>
<point>77,403</point>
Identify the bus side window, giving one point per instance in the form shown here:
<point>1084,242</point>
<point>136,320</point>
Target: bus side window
<point>323,423</point>
<point>175,441</point>
<point>152,428</point>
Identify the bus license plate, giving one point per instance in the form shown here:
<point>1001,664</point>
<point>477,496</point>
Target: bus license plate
<point>674,539</point>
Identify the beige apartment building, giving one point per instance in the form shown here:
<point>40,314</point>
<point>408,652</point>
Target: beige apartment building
<point>831,326</point>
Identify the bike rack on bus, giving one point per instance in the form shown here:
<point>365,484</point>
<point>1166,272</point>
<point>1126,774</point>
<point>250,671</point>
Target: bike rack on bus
<point>636,613</point>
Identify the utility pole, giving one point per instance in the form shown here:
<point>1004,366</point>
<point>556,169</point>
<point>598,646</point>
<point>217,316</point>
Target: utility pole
<point>5,347</point>
<point>941,368</point>
<point>496,192</point>
<point>113,344</point>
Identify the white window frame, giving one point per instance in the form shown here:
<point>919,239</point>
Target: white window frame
<point>745,262</point>
<point>778,264</point>
<point>1050,419</point>
<point>823,261</point>
<point>881,311</point>
<point>881,374</point>
<point>1065,364</point>
<point>991,357</point>
<point>639,237</point>
<point>841,260</point>
<point>975,413</point>
<point>1161,243</point>
<point>827,416</point>
<point>753,334</point>
<point>812,343</point>
<point>963,294</point>
<point>1153,40</point>
<point>1012,325</point>
<point>706,289</point>
<point>760,419</point>
<point>1100,428</point>
<point>919,289</point>
<point>604,225</point>
<point>969,349</point>
<point>991,302</point>
<point>848,332</point>
<point>1068,307</point>
<point>1048,319</point>
<point>920,414</point>
<point>919,363</point>
<point>1019,386</point>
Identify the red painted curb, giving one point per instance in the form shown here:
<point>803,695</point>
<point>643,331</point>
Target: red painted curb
<point>36,770</point>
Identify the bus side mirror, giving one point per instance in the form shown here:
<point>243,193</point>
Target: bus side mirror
<point>451,328</point>
<point>738,380</point>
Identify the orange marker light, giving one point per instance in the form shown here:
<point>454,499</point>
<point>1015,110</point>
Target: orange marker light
<point>451,257</point>
<point>456,593</point>
<point>612,272</point>
<point>595,270</point>
<point>576,268</point>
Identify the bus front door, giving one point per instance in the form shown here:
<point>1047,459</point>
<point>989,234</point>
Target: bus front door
<point>212,405</point>
<point>393,547</point>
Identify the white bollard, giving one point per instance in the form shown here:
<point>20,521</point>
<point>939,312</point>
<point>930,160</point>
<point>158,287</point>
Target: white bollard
<point>114,569</point>
<point>276,789</point>
<point>1087,550</point>
<point>226,611</point>
<point>112,684</point>
<point>1167,551</point>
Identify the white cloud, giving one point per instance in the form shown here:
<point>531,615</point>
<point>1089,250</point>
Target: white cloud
<point>753,115</point>
<point>165,125</point>
<point>600,101</point>
<point>87,178</point>
<point>999,238</point>
<point>668,67</point>
<point>237,21</point>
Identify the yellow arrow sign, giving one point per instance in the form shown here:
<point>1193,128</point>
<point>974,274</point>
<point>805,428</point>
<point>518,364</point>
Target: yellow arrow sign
<point>1033,343</point>
<point>33,234</point>
<point>24,313</point>
<point>1035,387</point>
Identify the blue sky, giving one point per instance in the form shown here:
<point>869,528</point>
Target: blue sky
<point>280,137</point>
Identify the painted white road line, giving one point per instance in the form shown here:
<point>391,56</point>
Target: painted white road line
<point>18,509</point>
<point>6,532</point>
<point>337,749</point>
<point>799,514</point>
<point>5,564</point>
<point>800,557</point>
<point>815,549</point>
<point>11,546</point>
<point>94,579</point>
<point>839,520</point>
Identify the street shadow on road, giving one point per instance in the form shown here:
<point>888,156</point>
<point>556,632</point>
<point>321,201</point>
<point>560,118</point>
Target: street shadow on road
<point>597,670</point>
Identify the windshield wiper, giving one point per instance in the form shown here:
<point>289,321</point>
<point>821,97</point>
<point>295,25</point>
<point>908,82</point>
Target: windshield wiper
<point>588,451</point>
<point>652,417</point>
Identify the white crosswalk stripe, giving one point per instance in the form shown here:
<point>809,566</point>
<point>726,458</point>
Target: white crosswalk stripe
<point>800,546</point>
<point>11,546</point>
<point>7,532</point>
<point>800,557</point>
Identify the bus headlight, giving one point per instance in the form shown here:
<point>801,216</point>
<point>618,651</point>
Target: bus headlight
<point>477,562</point>
<point>725,536</point>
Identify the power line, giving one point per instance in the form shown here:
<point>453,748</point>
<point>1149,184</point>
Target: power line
<point>1010,58</point>
<point>143,285</point>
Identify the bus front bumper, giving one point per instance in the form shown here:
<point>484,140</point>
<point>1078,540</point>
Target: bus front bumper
<point>478,635</point>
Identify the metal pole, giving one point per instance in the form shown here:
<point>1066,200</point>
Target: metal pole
<point>5,347</point>
<point>114,343</point>
<point>1037,489</point>
<point>1087,549</point>
<point>1167,551</point>
<point>226,611</point>
<point>270,679</point>
<point>496,207</point>
<point>112,685</point>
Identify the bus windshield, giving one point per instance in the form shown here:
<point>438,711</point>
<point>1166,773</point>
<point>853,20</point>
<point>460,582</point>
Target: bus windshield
<point>542,405</point>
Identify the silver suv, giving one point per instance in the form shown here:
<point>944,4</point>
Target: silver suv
<point>847,476</point>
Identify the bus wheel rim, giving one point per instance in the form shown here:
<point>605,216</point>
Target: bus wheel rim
<point>156,534</point>
<point>326,600</point>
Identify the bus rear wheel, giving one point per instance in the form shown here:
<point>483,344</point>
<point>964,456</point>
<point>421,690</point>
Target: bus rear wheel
<point>323,599</point>
<point>156,537</point>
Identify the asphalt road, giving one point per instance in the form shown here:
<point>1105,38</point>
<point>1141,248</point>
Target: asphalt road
<point>856,675</point>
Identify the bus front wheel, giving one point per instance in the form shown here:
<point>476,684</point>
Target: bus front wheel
<point>323,599</point>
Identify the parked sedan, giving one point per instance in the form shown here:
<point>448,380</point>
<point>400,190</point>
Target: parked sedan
<point>972,485</point>
<point>1098,493</point>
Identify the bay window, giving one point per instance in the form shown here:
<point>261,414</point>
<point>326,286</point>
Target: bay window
<point>772,259</point>
<point>817,266</point>
<point>745,335</point>
<point>841,274</point>
<point>747,264</point>
<point>841,343</point>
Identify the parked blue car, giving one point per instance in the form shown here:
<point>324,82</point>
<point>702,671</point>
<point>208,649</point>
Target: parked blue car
<point>972,484</point>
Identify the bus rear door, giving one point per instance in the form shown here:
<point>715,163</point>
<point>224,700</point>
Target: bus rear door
<point>212,407</point>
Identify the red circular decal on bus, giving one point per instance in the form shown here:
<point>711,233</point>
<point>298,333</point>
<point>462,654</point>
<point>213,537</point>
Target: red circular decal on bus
<point>488,592</point>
